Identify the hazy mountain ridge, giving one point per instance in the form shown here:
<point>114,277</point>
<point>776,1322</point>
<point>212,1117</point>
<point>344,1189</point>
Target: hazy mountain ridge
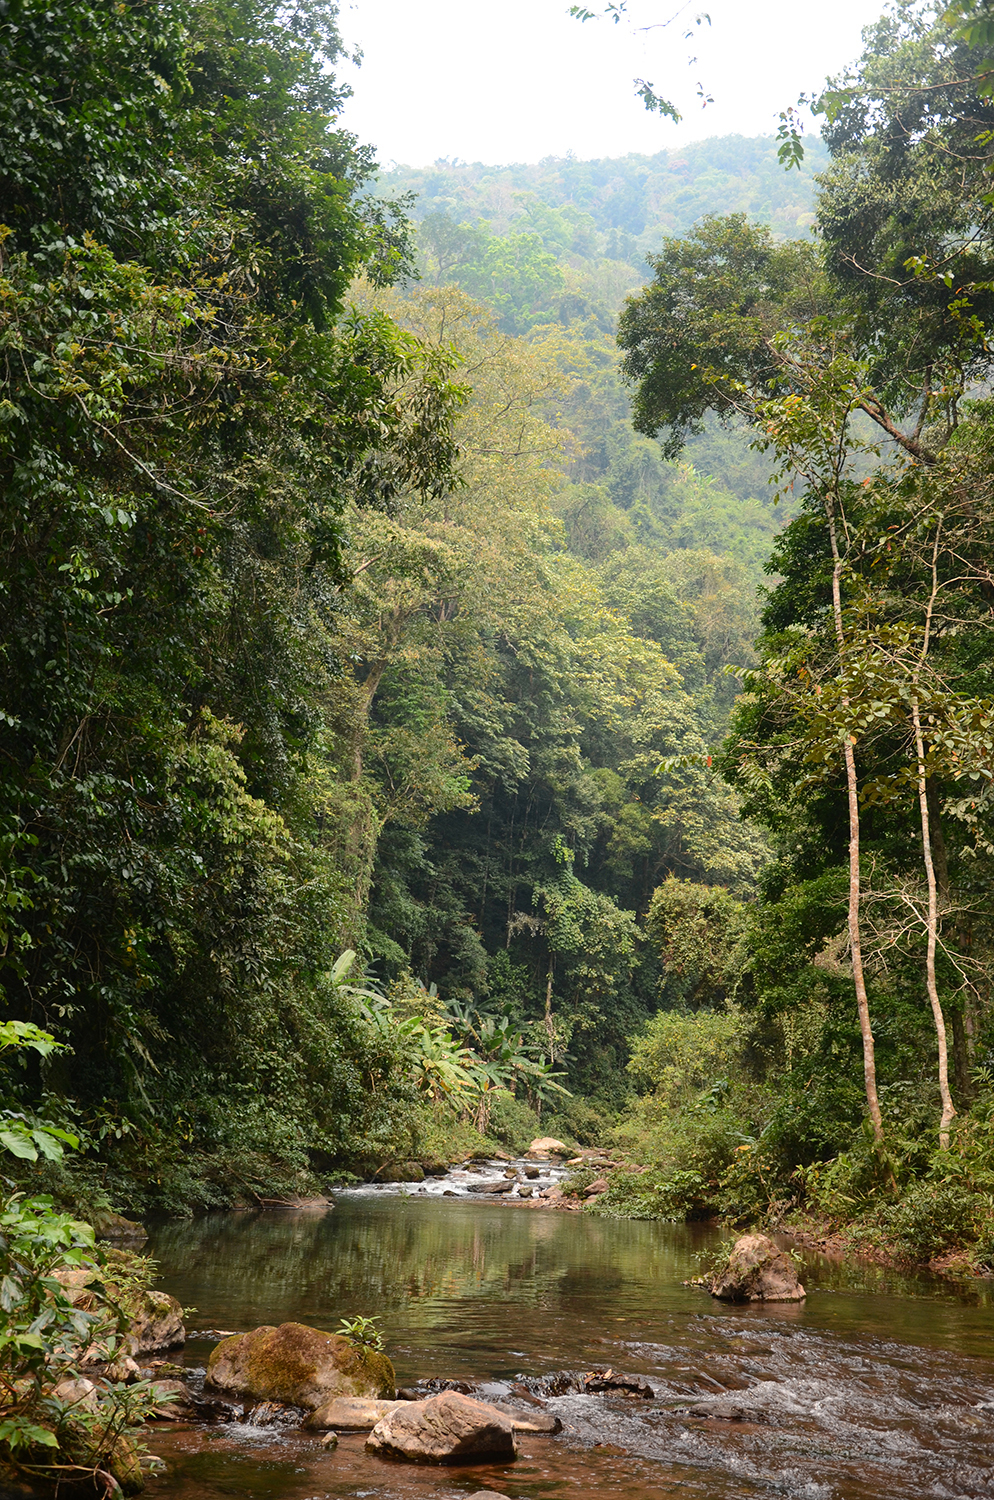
<point>621,206</point>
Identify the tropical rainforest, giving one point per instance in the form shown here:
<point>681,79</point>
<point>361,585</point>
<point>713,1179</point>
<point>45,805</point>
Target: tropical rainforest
<point>490,649</point>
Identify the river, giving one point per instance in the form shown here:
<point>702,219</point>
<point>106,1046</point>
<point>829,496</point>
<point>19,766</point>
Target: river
<point>877,1386</point>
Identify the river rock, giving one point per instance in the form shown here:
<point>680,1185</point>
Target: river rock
<point>123,1370</point>
<point>404,1171</point>
<point>592,1190</point>
<point>627,1385</point>
<point>273,1414</point>
<point>547,1145</point>
<point>352,1413</point>
<point>449,1428</point>
<point>530,1421</point>
<point>156,1322</point>
<point>78,1394</point>
<point>297,1365</point>
<point>173,1402</point>
<point>117,1229</point>
<point>156,1318</point>
<point>757,1271</point>
<point>525,1191</point>
<point>503,1186</point>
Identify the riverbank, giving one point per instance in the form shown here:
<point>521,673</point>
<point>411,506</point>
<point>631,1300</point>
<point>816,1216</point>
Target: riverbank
<point>864,1242</point>
<point>576,1179</point>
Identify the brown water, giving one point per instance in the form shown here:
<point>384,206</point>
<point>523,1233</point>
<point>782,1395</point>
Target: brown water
<point>877,1386</point>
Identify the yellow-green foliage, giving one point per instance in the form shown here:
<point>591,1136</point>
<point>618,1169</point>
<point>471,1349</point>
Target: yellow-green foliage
<point>698,931</point>
<point>677,1055</point>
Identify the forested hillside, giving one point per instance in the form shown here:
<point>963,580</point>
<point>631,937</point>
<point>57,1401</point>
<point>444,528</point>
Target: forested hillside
<point>396,751</point>
<point>568,811</point>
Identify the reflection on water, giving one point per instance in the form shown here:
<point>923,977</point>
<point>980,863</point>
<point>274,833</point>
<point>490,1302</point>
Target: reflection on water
<point>877,1385</point>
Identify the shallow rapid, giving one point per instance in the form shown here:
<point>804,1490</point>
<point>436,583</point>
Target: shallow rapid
<point>877,1386</point>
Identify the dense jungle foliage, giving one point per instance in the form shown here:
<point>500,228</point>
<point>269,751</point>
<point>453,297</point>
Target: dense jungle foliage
<point>395,751</point>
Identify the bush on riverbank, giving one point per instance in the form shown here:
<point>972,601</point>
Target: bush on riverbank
<point>732,1158</point>
<point>66,1305</point>
<point>744,1117</point>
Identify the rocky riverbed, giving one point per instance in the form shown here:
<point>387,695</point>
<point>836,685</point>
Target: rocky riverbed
<point>873,1384</point>
<point>533,1180</point>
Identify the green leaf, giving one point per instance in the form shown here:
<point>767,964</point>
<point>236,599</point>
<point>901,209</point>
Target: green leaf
<point>19,1144</point>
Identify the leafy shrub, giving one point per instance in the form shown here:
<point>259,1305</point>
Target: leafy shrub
<point>576,1181</point>
<point>675,1194</point>
<point>364,1333</point>
<point>45,1431</point>
<point>512,1122</point>
<point>843,1186</point>
<point>750,1189</point>
<point>934,1216</point>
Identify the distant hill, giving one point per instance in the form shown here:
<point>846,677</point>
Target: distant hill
<point>620,207</point>
<point>561,244</point>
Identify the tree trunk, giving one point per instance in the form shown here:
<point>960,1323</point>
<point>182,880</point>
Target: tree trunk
<point>960,1019</point>
<point>962,1061</point>
<point>852,790</point>
<point>948,1109</point>
<point>932,920</point>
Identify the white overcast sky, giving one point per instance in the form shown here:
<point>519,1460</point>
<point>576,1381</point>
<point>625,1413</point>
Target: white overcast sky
<point>516,80</point>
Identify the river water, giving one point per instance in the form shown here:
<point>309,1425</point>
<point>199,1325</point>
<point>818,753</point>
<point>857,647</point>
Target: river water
<point>877,1386</point>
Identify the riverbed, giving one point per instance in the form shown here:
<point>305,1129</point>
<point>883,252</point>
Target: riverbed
<point>879,1385</point>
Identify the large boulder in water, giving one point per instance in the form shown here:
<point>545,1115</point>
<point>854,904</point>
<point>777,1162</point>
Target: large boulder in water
<point>547,1145</point>
<point>449,1428</point>
<point>298,1366</point>
<point>156,1321</point>
<point>757,1270</point>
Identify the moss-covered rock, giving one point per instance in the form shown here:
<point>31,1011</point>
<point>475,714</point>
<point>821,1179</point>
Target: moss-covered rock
<point>156,1320</point>
<point>297,1365</point>
<point>115,1227</point>
<point>402,1171</point>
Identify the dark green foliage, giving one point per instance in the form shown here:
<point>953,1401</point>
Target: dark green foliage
<point>182,427</point>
